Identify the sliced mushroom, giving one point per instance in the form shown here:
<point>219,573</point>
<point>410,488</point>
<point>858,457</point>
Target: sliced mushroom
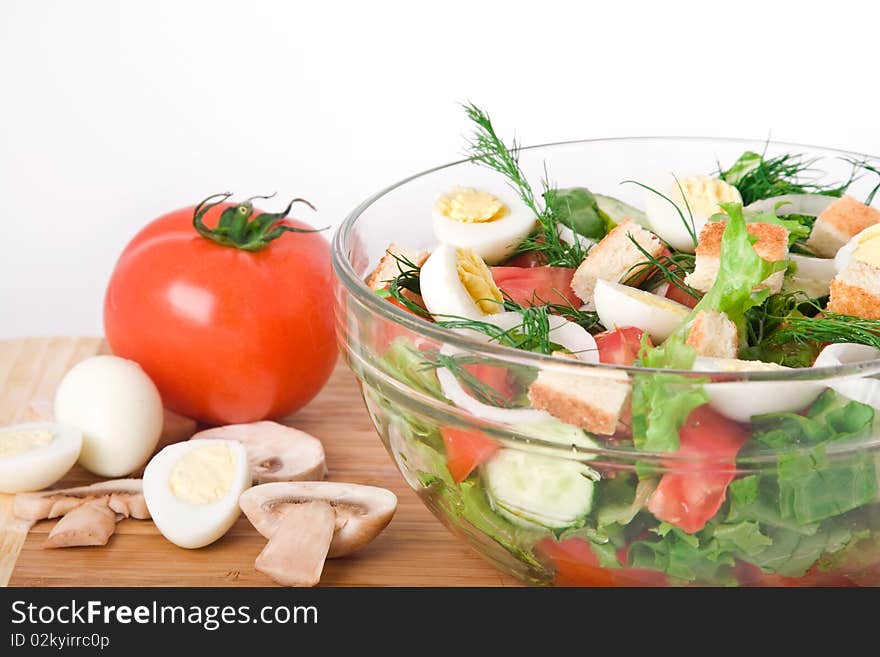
<point>123,496</point>
<point>295,517</point>
<point>295,555</point>
<point>275,452</point>
<point>92,523</point>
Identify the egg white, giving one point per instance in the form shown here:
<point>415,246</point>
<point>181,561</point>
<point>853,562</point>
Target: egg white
<point>442,290</point>
<point>118,409</point>
<point>619,306</point>
<point>183,523</point>
<point>493,241</point>
<point>37,468</point>
<point>664,217</point>
<point>740,400</point>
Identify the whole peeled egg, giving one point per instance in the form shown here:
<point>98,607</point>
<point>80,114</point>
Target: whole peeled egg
<point>492,225</point>
<point>117,408</point>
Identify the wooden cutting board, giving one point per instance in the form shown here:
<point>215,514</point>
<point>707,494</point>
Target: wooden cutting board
<point>415,549</point>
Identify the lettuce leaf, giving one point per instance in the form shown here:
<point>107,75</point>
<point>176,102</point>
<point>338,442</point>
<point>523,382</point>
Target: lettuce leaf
<point>662,402</point>
<point>576,207</point>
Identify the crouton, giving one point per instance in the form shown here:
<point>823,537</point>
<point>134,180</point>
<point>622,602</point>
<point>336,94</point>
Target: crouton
<point>389,267</point>
<point>613,258</point>
<point>591,401</point>
<point>713,334</point>
<point>838,223</point>
<point>772,245</point>
<point>852,291</point>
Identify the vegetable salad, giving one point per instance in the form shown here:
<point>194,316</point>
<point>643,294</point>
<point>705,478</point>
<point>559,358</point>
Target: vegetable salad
<point>760,267</point>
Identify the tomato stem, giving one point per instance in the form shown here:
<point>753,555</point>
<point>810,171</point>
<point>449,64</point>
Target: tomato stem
<point>240,229</point>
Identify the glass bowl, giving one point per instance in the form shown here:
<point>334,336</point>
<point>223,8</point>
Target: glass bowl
<point>550,504</point>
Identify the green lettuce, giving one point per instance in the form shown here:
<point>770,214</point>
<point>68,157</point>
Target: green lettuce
<point>813,483</point>
<point>662,402</point>
<point>576,207</point>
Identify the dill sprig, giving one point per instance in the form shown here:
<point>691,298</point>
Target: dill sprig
<point>486,148</point>
<point>408,279</point>
<point>477,388</point>
<point>688,222</point>
<point>670,268</point>
<point>830,327</point>
<point>758,177</point>
<point>863,164</point>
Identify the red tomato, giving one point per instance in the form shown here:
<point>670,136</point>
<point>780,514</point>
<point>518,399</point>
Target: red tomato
<point>674,293</point>
<point>577,565</point>
<point>536,285</point>
<point>465,450</point>
<point>227,335</point>
<point>495,377</point>
<point>693,492</point>
<point>527,259</point>
<point>620,346</point>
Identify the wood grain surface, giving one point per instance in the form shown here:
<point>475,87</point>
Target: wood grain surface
<point>415,549</point>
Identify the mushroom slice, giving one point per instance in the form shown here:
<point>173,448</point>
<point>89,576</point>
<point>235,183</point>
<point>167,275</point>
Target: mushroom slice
<point>294,517</point>
<point>295,554</point>
<point>275,452</point>
<point>123,496</point>
<point>92,523</point>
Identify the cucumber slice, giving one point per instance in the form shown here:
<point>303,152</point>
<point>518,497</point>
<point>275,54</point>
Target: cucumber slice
<point>617,211</point>
<point>534,490</point>
<point>566,436</point>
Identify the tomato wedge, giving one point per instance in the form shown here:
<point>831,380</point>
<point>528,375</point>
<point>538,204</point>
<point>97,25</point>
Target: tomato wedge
<point>495,377</point>
<point>536,285</point>
<point>577,565</point>
<point>620,346</point>
<point>693,492</point>
<point>675,293</point>
<point>465,450</point>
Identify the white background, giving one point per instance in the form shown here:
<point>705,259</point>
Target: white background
<point>113,113</point>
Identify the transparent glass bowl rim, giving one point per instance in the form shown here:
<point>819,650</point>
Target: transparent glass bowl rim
<point>379,306</point>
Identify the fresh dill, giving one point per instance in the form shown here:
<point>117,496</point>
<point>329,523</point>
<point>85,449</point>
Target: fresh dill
<point>480,390</point>
<point>408,280</point>
<point>487,149</point>
<point>688,222</point>
<point>863,164</point>
<point>830,327</point>
<point>670,268</point>
<point>758,177</point>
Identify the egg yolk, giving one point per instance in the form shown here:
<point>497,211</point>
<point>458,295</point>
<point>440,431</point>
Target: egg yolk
<point>656,301</point>
<point>868,246</point>
<point>204,475</point>
<point>477,280</point>
<point>13,443</point>
<point>470,206</point>
<point>704,195</point>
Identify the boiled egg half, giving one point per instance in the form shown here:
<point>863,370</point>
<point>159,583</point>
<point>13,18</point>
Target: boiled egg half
<point>619,306</point>
<point>693,196</point>
<point>455,281</point>
<point>740,400</point>
<point>36,455</point>
<point>491,225</point>
<point>192,490</point>
<point>863,247</point>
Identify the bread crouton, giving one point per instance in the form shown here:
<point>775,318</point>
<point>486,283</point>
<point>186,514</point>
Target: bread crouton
<point>389,267</point>
<point>772,245</point>
<point>839,222</point>
<point>713,334</point>
<point>591,401</point>
<point>852,291</point>
<point>613,258</point>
